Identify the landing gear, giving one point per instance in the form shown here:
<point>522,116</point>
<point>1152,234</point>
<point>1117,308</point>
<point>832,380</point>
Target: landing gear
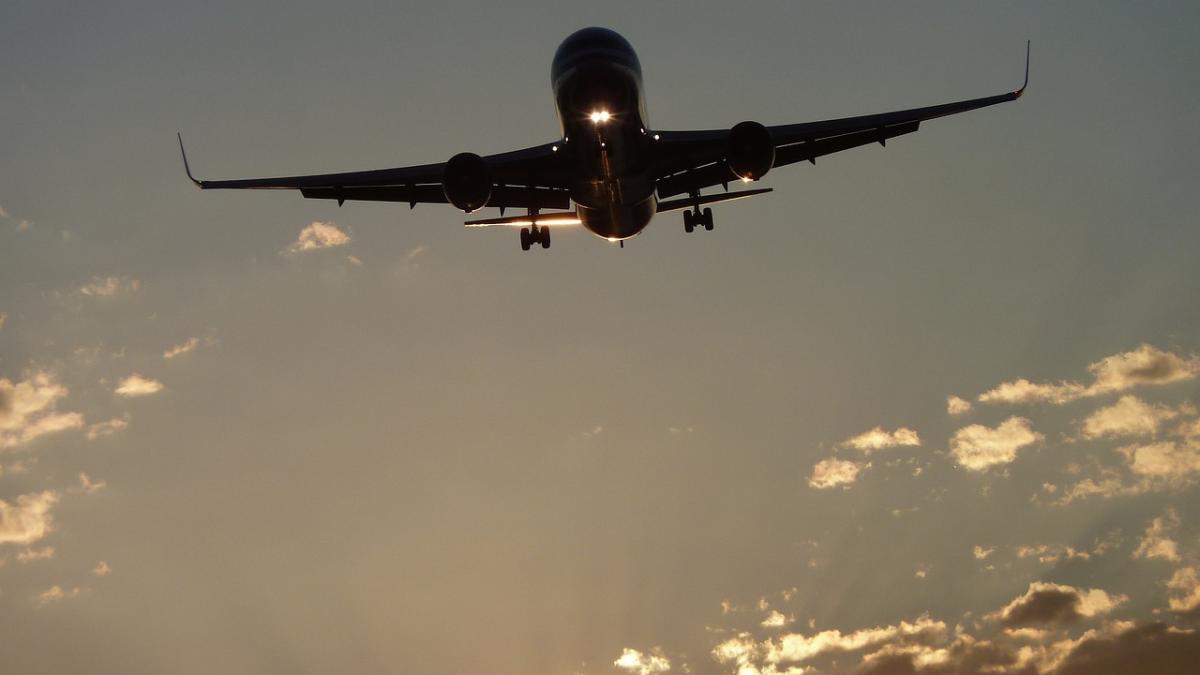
<point>695,218</point>
<point>538,235</point>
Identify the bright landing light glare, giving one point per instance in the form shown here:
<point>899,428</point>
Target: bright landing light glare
<point>600,116</point>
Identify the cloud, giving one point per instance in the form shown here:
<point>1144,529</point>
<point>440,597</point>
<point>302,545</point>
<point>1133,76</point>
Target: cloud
<point>317,236</point>
<point>3,213</point>
<point>982,553</point>
<point>775,619</point>
<point>1129,416</point>
<point>1024,391</point>
<point>1167,463</point>
<point>1145,365</point>
<point>1155,543</point>
<point>977,447</point>
<point>642,663</point>
<point>797,647</point>
<point>88,486</point>
<point>879,439</point>
<point>137,385</point>
<point>29,519</point>
<point>1054,604</point>
<point>1185,587</point>
<point>34,554</point>
<point>1151,649</point>
<point>831,473</point>
<point>105,287</point>
<point>55,594</point>
<point>28,409</point>
<point>106,428</point>
<point>3,318</point>
<point>188,345</point>
<point>101,569</point>
<point>957,406</point>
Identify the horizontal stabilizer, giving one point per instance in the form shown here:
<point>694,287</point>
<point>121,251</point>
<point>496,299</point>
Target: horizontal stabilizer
<point>541,219</point>
<point>687,202</point>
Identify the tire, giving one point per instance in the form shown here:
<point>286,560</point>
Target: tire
<point>525,243</point>
<point>544,236</point>
<point>688,224</point>
<point>708,220</point>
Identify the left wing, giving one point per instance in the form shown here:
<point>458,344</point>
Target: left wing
<point>691,160</point>
<point>527,178</point>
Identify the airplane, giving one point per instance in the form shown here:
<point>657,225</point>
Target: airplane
<point>615,169</point>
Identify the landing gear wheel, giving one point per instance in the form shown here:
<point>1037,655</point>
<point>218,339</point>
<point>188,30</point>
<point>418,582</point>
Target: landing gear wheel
<point>544,237</point>
<point>708,219</point>
<point>526,240</point>
<point>689,223</point>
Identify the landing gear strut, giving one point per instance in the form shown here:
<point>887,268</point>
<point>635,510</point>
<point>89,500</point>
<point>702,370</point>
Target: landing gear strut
<point>535,235</point>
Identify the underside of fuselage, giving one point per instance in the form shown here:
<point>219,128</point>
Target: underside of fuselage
<point>597,84</point>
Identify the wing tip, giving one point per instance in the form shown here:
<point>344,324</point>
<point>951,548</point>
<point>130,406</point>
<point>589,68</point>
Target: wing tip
<point>1024,84</point>
<point>187,169</point>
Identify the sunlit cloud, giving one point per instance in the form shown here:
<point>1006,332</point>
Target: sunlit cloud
<point>137,385</point>
<point>1053,553</point>
<point>1185,591</point>
<point>1129,416</point>
<point>1145,365</point>
<point>28,519</point>
<point>775,619</point>
<point>879,439</point>
<point>1156,541</point>
<point>641,663</point>
<point>831,473</point>
<point>29,409</point>
<point>104,287</point>
<point>797,647</point>
<point>1164,464</point>
<point>101,429</point>
<point>188,345</point>
<point>29,555</point>
<point>957,406</point>
<point>981,553</point>
<point>316,236</point>
<point>89,486</point>
<point>102,569</point>
<point>977,447</point>
<point>1055,604</point>
<point>56,594</point>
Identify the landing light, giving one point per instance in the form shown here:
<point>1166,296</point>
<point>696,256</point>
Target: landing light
<point>600,116</point>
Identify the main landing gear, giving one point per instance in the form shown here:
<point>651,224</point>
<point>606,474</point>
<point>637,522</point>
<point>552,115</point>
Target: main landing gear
<point>535,235</point>
<point>695,218</point>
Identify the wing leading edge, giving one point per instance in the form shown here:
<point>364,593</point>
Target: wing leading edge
<point>691,160</point>
<point>527,178</point>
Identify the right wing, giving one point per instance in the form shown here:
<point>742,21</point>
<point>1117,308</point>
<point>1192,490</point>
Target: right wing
<point>691,160</point>
<point>528,178</point>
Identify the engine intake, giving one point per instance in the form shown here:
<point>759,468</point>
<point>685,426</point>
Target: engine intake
<point>749,151</point>
<point>466,182</point>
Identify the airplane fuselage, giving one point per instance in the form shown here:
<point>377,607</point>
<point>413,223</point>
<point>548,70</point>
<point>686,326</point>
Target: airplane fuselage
<point>597,84</point>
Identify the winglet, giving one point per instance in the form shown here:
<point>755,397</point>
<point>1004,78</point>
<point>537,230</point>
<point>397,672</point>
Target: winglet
<point>186,168</point>
<point>1026,82</point>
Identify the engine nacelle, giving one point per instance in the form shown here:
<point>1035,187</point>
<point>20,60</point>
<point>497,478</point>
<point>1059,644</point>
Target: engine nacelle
<point>466,182</point>
<point>749,151</point>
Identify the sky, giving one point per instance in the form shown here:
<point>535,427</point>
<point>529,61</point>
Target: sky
<point>923,409</point>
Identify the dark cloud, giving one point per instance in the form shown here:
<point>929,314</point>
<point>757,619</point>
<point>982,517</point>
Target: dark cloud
<point>1053,604</point>
<point>1150,649</point>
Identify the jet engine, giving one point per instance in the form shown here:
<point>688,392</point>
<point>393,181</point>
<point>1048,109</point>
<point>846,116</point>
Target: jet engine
<point>749,151</point>
<point>466,182</point>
